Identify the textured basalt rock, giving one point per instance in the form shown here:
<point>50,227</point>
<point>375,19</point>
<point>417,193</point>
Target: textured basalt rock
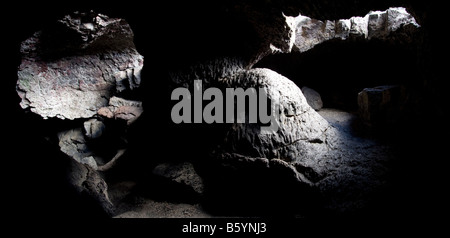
<point>181,173</point>
<point>72,68</point>
<point>120,108</point>
<point>73,143</point>
<point>304,32</point>
<point>89,183</point>
<point>302,135</point>
<point>93,128</point>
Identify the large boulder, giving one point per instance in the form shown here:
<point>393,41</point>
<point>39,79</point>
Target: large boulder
<point>302,159</point>
<point>302,136</point>
<point>72,68</point>
<point>73,143</point>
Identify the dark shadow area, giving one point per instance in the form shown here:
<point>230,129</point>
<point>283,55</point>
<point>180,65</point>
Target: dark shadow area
<point>339,70</point>
<point>256,191</point>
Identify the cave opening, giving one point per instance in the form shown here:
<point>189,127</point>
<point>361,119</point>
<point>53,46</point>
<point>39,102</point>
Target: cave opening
<point>340,70</point>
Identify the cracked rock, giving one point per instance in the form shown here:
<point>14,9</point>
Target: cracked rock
<point>307,32</point>
<point>70,70</point>
<point>88,182</point>
<point>302,33</point>
<point>380,105</point>
<point>73,144</point>
<point>181,173</point>
<point>303,136</point>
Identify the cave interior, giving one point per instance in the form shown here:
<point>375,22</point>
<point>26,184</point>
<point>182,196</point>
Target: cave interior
<point>174,35</point>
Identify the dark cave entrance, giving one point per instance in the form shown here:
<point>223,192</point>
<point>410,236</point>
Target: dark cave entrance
<point>339,70</point>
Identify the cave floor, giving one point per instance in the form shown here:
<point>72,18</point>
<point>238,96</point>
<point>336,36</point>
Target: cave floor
<point>132,205</point>
<point>361,173</point>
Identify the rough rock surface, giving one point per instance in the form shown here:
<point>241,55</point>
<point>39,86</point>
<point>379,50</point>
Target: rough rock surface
<point>313,98</point>
<point>84,173</point>
<point>73,143</point>
<point>89,183</point>
<point>380,105</point>
<point>303,136</point>
<point>182,173</point>
<point>305,32</point>
<point>72,69</point>
<point>120,108</point>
